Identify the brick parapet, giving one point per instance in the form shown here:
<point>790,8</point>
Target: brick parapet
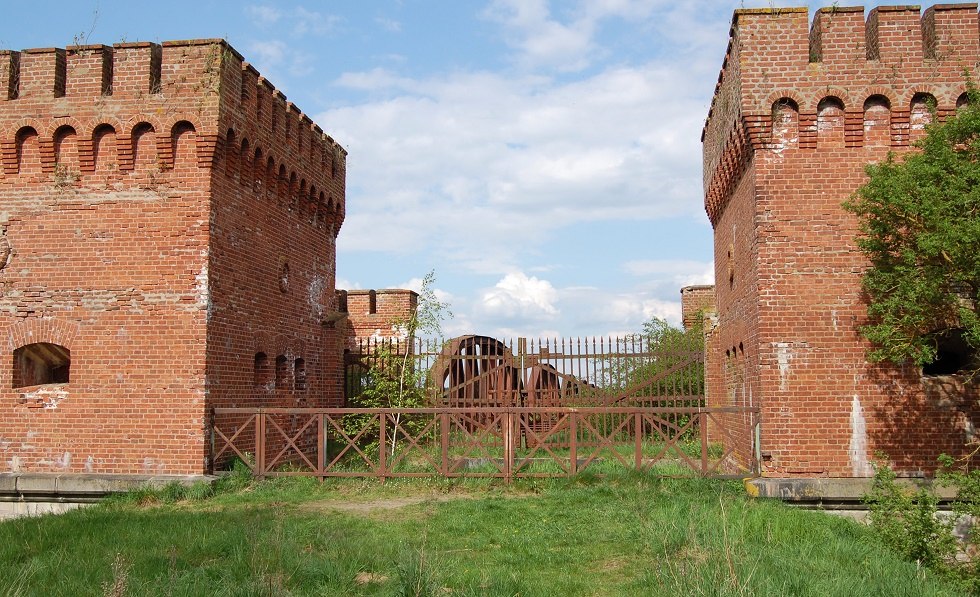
<point>895,53</point>
<point>696,302</point>
<point>374,314</point>
<point>272,143</point>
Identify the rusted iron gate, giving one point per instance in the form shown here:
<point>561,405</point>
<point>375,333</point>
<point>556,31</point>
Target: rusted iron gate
<point>477,371</point>
<point>485,442</point>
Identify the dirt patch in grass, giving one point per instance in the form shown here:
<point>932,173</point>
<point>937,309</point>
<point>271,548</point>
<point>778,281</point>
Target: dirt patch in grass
<point>381,506</point>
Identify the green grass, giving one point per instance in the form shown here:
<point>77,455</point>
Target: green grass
<point>623,535</point>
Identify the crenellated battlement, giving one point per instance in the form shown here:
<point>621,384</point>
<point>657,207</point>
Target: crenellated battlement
<point>94,71</point>
<point>788,84</point>
<point>374,314</point>
<point>98,114</point>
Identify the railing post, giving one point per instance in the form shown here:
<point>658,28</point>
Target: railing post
<point>638,444</point>
<point>444,441</point>
<point>703,425</point>
<point>260,444</point>
<point>382,448</point>
<point>508,445</point>
<point>573,443</point>
<point>321,447</point>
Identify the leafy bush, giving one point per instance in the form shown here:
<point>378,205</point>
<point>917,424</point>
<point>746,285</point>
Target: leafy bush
<point>908,520</point>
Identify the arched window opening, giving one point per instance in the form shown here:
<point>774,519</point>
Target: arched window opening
<point>184,138</point>
<point>292,190</point>
<point>262,371</point>
<point>271,183</point>
<point>299,374</point>
<point>28,151</point>
<point>282,183</point>
<point>785,123</point>
<point>65,150</point>
<point>830,122</point>
<point>144,147</point>
<point>231,155</point>
<point>877,121</point>
<point>282,373</point>
<point>41,363</point>
<point>920,114</point>
<point>258,169</point>
<point>962,101</point>
<point>245,156</point>
<point>953,355</point>
<point>104,147</point>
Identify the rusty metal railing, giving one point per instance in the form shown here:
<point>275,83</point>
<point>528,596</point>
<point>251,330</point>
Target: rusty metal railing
<point>505,443</point>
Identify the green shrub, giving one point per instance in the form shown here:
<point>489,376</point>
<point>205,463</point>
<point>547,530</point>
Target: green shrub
<point>908,520</point>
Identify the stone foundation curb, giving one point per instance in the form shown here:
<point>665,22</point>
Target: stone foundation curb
<point>81,488</point>
<point>827,492</point>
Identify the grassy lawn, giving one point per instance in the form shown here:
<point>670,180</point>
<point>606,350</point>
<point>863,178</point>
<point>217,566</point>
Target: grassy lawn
<point>625,535</point>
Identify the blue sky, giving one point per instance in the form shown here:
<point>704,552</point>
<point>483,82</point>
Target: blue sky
<point>543,158</point>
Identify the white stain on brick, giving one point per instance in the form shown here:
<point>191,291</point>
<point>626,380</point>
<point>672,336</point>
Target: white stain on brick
<point>858,450</point>
<point>784,354</point>
<point>203,290</point>
<point>48,396</point>
<point>62,462</point>
<point>315,296</point>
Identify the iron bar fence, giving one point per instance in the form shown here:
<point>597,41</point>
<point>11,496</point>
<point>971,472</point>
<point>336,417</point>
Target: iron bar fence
<point>505,443</point>
<point>478,371</point>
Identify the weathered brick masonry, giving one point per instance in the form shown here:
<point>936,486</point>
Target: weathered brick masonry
<point>798,111</point>
<point>169,223</point>
<point>376,314</point>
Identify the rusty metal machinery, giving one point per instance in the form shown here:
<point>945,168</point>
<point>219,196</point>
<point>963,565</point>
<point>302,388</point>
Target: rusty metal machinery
<point>475,371</point>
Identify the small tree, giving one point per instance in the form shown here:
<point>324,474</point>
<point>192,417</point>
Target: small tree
<point>665,369</point>
<point>920,229</point>
<point>393,380</point>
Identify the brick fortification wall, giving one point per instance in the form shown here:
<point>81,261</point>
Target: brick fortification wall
<point>696,302</point>
<point>798,111</point>
<point>168,218</point>
<point>376,314</point>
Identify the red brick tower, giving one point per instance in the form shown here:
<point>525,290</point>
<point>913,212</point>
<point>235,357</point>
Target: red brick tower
<point>798,111</point>
<point>168,241</point>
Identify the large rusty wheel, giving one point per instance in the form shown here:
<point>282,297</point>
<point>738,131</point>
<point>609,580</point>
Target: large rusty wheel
<point>473,371</point>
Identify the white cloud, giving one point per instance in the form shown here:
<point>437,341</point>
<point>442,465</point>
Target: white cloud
<point>682,272</point>
<point>313,22</point>
<point>519,297</point>
<point>345,284</point>
<point>273,57</point>
<point>267,52</point>
<point>540,40</point>
<point>525,306</point>
<point>263,15</point>
<point>476,158</point>
<point>390,25</point>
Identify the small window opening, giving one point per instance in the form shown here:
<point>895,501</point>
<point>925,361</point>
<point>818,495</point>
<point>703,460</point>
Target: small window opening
<point>282,373</point>
<point>953,355</point>
<point>962,101</point>
<point>299,374</point>
<point>41,363</point>
<point>262,370</point>
<point>372,302</point>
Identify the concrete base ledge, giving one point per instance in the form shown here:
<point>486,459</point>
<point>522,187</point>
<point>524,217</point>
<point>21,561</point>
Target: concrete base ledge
<point>80,488</point>
<point>828,493</point>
